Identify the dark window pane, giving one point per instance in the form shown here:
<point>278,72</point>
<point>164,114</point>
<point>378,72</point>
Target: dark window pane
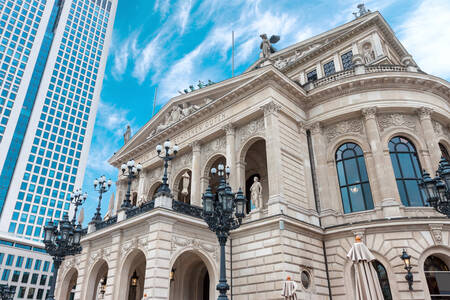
<point>362,169</point>
<point>345,200</point>
<point>368,196</point>
<point>415,197</point>
<point>312,76</point>
<point>347,60</point>
<point>341,173</point>
<point>351,170</point>
<point>357,198</point>
<point>328,68</point>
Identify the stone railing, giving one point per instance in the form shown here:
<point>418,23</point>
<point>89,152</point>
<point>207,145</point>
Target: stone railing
<point>187,209</point>
<point>106,223</point>
<point>349,73</point>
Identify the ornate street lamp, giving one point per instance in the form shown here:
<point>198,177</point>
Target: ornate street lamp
<point>77,198</point>
<point>101,185</point>
<point>61,240</point>
<point>218,212</point>
<point>103,287</point>
<point>170,153</point>
<point>133,171</point>
<point>407,261</point>
<point>7,292</point>
<point>134,280</point>
<point>437,190</point>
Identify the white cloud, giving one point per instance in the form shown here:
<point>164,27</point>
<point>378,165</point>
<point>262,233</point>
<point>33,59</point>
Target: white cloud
<point>122,54</point>
<point>184,11</point>
<point>426,35</point>
<point>163,6</point>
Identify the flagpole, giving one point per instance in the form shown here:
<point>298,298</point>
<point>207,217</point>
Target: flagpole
<point>232,53</point>
<point>154,101</point>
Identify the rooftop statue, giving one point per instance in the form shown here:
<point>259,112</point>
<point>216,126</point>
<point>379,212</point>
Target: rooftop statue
<point>266,44</point>
<point>362,11</point>
<point>127,134</point>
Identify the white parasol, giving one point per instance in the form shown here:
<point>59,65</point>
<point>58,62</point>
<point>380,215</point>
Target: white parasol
<point>367,285</point>
<point>289,289</point>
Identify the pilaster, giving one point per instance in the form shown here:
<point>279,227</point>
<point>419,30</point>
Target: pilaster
<point>195,179</point>
<point>113,265</point>
<point>430,137</point>
<point>231,153</point>
<point>385,178</point>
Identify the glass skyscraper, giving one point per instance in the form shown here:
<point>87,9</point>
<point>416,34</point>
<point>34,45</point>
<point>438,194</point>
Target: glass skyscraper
<point>52,61</point>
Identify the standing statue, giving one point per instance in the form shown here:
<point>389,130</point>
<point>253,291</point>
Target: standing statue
<point>368,53</point>
<point>256,194</point>
<point>266,44</point>
<point>175,114</point>
<point>185,190</point>
<point>127,134</point>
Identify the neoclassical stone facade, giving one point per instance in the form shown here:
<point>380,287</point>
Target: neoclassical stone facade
<point>332,127</point>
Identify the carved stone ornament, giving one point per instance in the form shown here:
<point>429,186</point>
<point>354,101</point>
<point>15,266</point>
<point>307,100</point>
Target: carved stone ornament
<point>315,128</point>
<point>250,129</point>
<point>135,243</point>
<point>436,233</point>
<point>102,253</point>
<point>217,145</point>
<point>342,128</point>
<point>367,52</point>
<point>179,242</point>
<point>229,129</point>
<point>441,130</point>
<point>369,113</point>
<point>182,162</point>
<point>72,262</point>
<point>424,113</point>
<point>271,108</point>
<point>174,115</point>
<point>282,62</point>
<point>386,121</point>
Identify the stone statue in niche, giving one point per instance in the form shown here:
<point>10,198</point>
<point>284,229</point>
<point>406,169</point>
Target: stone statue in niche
<point>185,190</point>
<point>256,194</point>
<point>368,53</point>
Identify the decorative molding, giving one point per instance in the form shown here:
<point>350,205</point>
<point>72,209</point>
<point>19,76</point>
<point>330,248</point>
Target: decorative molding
<point>179,242</point>
<point>102,253</point>
<point>342,128</point>
<point>271,108</point>
<point>424,113</point>
<point>315,128</point>
<point>141,243</point>
<point>386,121</point>
<point>369,113</point>
<point>217,145</point>
<point>229,129</point>
<point>436,233</point>
<point>301,127</point>
<point>181,162</point>
<point>196,145</point>
<point>252,128</point>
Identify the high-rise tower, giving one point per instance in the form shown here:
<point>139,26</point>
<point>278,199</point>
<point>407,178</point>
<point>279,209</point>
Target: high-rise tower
<point>52,60</point>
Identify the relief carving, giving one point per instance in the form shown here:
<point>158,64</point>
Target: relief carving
<point>102,253</point>
<point>424,113</point>
<point>436,233</point>
<point>280,63</point>
<point>342,128</point>
<point>174,115</point>
<point>135,243</point>
<point>181,162</point>
<point>367,52</point>
<point>252,128</point>
<point>184,242</point>
<point>217,145</point>
<point>386,121</point>
<point>440,129</point>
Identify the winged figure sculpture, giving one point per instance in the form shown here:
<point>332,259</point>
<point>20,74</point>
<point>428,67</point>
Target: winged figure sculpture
<point>266,44</point>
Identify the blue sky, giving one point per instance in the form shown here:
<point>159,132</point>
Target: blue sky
<point>172,44</point>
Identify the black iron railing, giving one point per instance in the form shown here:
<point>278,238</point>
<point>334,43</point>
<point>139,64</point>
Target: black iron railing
<point>106,223</point>
<point>187,209</point>
<point>140,209</point>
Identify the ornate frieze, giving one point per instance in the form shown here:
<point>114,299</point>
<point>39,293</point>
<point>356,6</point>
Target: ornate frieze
<point>282,62</point>
<point>386,121</point>
<point>135,243</point>
<point>440,129</point>
<point>217,145</point>
<point>200,128</point>
<point>250,129</point>
<point>102,253</point>
<point>181,162</point>
<point>342,128</point>
<point>179,242</point>
<point>174,115</point>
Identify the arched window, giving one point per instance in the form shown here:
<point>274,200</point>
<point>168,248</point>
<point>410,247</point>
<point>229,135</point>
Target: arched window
<point>444,152</point>
<point>407,170</point>
<point>353,180</point>
<point>438,277</point>
<point>384,280</point>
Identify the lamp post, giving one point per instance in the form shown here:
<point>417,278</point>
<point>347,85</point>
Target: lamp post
<point>61,240</point>
<point>7,292</point>
<point>77,198</point>
<point>407,261</point>
<point>218,214</point>
<point>133,171</point>
<point>101,185</point>
<point>437,190</point>
<point>170,153</point>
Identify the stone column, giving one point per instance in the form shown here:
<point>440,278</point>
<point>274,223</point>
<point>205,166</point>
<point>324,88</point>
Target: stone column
<point>385,178</point>
<point>430,137</point>
<point>195,179</point>
<point>240,174</point>
<point>231,153</point>
<point>273,149</point>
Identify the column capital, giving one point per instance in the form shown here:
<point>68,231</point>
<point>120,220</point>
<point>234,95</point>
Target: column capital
<point>271,108</point>
<point>301,127</point>
<point>315,128</point>
<point>195,145</point>
<point>229,128</point>
<point>424,113</point>
<point>369,112</point>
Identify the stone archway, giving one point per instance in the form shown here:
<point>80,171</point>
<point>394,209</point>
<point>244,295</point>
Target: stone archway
<point>213,162</point>
<point>153,189</point>
<point>132,276</point>
<point>255,160</point>
<point>68,285</point>
<point>192,279</point>
<point>99,272</point>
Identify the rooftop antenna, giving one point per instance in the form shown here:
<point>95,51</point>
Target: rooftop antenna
<point>232,53</point>
<point>154,102</point>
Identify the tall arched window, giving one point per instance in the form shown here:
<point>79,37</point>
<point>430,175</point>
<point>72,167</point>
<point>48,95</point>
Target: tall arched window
<point>353,179</point>
<point>384,280</point>
<point>407,170</point>
<point>438,276</point>
<point>444,152</point>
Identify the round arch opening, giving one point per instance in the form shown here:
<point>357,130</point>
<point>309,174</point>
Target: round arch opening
<point>68,285</point>
<point>132,276</point>
<point>191,278</point>
<point>97,277</point>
